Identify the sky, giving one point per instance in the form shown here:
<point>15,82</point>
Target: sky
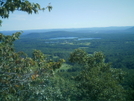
<point>73,14</point>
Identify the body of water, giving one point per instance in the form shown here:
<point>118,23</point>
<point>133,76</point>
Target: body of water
<point>87,38</point>
<point>63,38</point>
<point>58,38</point>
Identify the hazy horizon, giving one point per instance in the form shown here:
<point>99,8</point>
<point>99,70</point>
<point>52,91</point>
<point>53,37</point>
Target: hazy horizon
<point>73,28</point>
<point>74,14</point>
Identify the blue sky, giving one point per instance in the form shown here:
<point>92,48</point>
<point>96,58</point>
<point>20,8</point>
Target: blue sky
<point>74,14</point>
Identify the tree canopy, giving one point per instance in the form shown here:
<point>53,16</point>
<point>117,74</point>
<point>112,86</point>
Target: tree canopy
<point>97,81</point>
<point>9,6</point>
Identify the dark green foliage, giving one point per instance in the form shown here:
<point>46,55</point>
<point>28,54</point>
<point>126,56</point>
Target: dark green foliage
<point>129,84</point>
<point>78,56</point>
<point>118,47</point>
<point>21,77</point>
<point>0,22</point>
<point>36,78</point>
<point>21,5</point>
<point>98,81</point>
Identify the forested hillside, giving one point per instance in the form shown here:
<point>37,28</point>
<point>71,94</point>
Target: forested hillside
<point>42,79</point>
<point>118,46</point>
<point>78,65</point>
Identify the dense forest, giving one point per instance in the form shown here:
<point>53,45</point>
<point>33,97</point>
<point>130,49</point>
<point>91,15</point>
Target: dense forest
<point>118,46</point>
<point>73,65</point>
<point>65,65</point>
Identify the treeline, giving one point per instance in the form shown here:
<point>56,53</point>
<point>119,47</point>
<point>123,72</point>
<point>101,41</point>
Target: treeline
<point>88,77</point>
<point>118,47</point>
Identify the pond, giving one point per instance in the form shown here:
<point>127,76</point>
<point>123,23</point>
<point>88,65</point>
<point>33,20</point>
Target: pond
<point>87,38</point>
<point>57,38</point>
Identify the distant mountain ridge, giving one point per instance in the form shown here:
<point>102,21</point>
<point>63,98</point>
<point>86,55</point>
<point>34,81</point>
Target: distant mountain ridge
<point>130,29</point>
<point>76,30</point>
<point>50,34</point>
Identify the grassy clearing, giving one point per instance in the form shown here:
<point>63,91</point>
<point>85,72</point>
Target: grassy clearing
<point>65,67</point>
